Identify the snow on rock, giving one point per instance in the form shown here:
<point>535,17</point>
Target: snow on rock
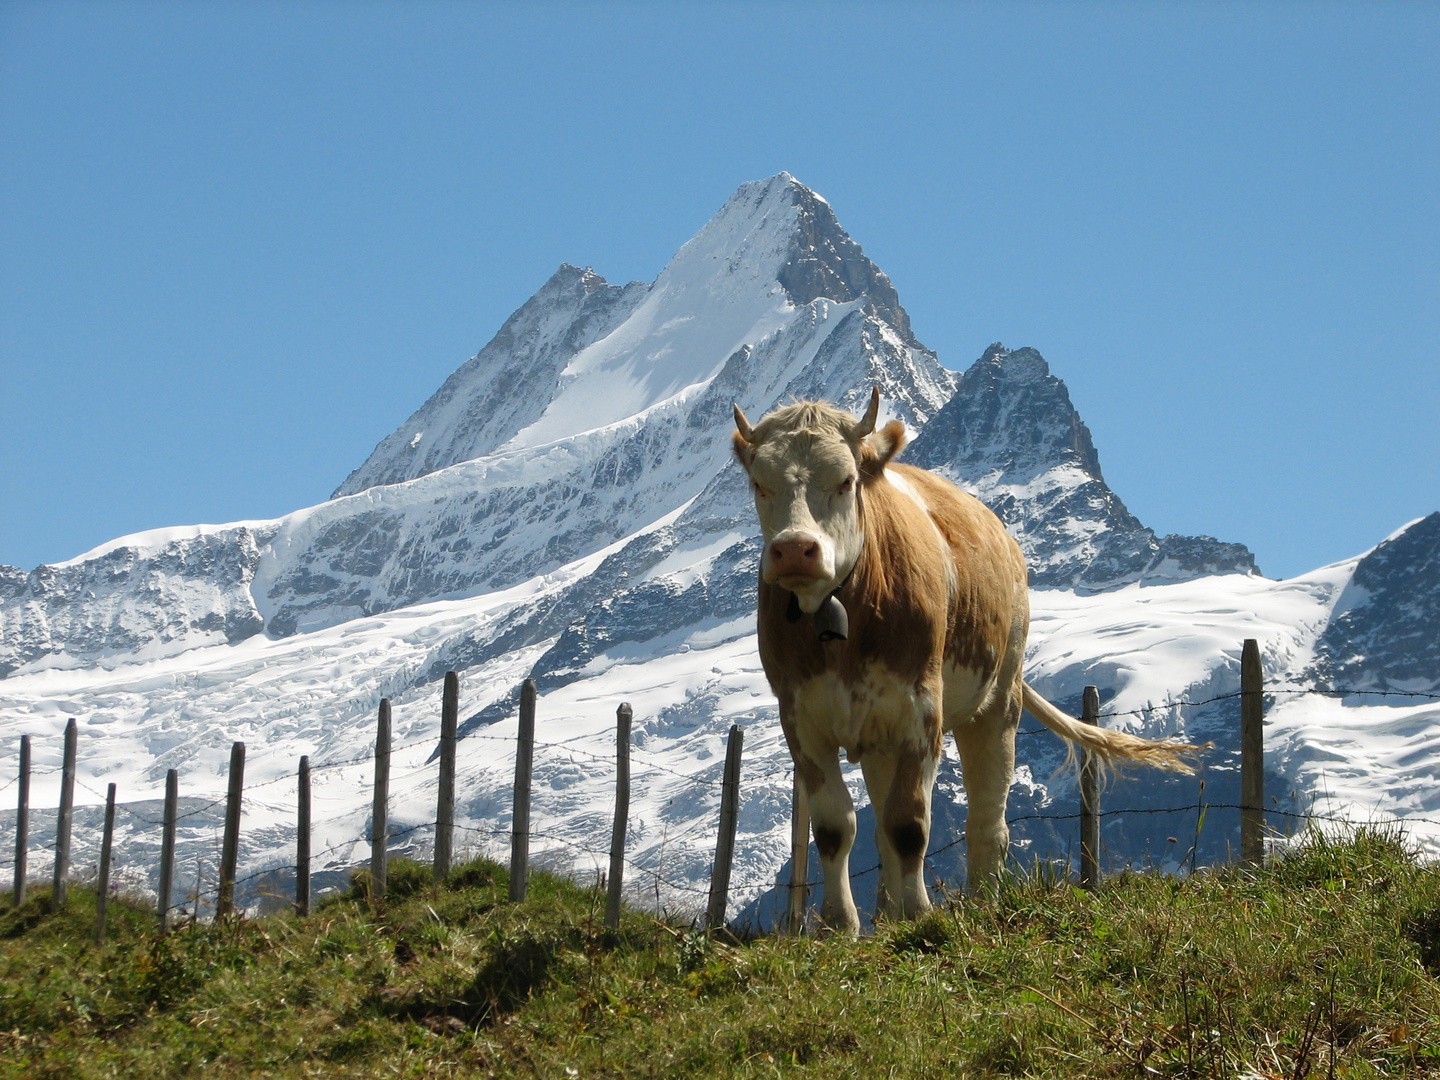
<point>595,412</point>
<point>1148,648</point>
<point>135,599</point>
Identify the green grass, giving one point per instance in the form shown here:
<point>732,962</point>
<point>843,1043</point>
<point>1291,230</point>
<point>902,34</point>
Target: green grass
<point>1323,964</point>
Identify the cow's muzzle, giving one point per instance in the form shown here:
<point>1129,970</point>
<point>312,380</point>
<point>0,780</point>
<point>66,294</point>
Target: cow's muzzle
<point>796,556</point>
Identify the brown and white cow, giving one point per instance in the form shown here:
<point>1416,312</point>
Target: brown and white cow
<point>893,608</point>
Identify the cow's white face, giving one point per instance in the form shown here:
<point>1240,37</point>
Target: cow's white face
<point>806,464</point>
<point>805,485</point>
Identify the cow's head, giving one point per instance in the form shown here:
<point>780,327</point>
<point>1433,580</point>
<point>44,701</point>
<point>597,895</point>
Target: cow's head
<point>808,465</point>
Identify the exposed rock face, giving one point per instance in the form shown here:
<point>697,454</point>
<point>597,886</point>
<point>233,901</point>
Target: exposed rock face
<point>1385,630</point>
<point>826,262</point>
<point>1011,436</point>
<point>132,602</point>
<point>12,581</point>
<point>1010,419</point>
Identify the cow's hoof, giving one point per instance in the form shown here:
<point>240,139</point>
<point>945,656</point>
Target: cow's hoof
<point>840,922</point>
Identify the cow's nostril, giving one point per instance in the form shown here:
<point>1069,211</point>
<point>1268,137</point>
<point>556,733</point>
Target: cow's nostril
<point>794,554</point>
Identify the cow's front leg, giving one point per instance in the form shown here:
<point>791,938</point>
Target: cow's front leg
<point>832,819</point>
<point>900,783</point>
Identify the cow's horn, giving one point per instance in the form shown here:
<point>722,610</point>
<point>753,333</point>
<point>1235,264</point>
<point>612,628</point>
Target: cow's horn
<point>867,425</point>
<point>743,426</point>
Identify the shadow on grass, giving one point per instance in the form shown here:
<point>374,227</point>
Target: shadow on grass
<point>516,970</point>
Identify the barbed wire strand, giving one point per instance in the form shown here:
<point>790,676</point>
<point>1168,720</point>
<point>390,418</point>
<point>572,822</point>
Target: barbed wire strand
<point>774,879</point>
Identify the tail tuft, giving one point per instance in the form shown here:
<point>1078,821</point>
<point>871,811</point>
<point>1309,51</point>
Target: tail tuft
<point>1115,748</point>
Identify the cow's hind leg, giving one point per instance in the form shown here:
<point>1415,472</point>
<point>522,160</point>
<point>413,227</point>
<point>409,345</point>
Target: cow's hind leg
<point>879,769</point>
<point>832,819</point>
<point>900,785</point>
<point>987,760</point>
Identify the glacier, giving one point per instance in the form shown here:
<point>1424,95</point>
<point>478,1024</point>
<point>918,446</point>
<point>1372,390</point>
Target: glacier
<point>565,508</point>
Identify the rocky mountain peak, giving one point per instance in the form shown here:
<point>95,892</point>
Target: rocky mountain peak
<point>826,262</point>
<point>582,353</point>
<point>1016,366</point>
<point>1011,416</point>
<point>1011,435</point>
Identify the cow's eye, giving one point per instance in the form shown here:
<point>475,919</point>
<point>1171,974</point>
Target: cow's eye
<point>847,485</point>
<point>761,492</point>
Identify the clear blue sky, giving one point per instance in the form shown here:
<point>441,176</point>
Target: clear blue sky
<point>240,242</point>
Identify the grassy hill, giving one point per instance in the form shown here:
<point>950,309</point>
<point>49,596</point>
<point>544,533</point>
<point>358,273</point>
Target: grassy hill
<point>1323,964</point>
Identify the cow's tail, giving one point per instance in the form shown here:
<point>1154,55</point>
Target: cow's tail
<point>1114,748</point>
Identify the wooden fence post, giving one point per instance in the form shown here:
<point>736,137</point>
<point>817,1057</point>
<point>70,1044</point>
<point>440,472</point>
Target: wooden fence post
<point>520,820</point>
<point>102,895</point>
<point>1252,755</point>
<point>230,848</point>
<point>445,808</point>
<point>22,823</point>
<point>302,839</point>
<point>623,716</point>
<point>380,808</point>
<point>729,819</point>
<point>1090,797</point>
<point>64,819</point>
<point>799,858</point>
<point>199,884</point>
<point>167,850</point>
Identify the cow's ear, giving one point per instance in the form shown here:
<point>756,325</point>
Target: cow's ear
<point>878,450</point>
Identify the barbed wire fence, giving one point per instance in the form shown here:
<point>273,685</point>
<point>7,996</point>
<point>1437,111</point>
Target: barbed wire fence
<point>671,894</point>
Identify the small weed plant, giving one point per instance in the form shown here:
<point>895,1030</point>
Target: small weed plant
<point>1326,963</point>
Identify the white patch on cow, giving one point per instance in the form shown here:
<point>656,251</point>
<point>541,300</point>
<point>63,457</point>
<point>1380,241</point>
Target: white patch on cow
<point>898,481</point>
<point>967,690</point>
<point>891,712</point>
<point>822,714</point>
<point>880,709</point>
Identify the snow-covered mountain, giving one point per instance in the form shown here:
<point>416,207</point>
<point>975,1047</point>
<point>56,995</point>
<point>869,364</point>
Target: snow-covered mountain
<point>565,507</point>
